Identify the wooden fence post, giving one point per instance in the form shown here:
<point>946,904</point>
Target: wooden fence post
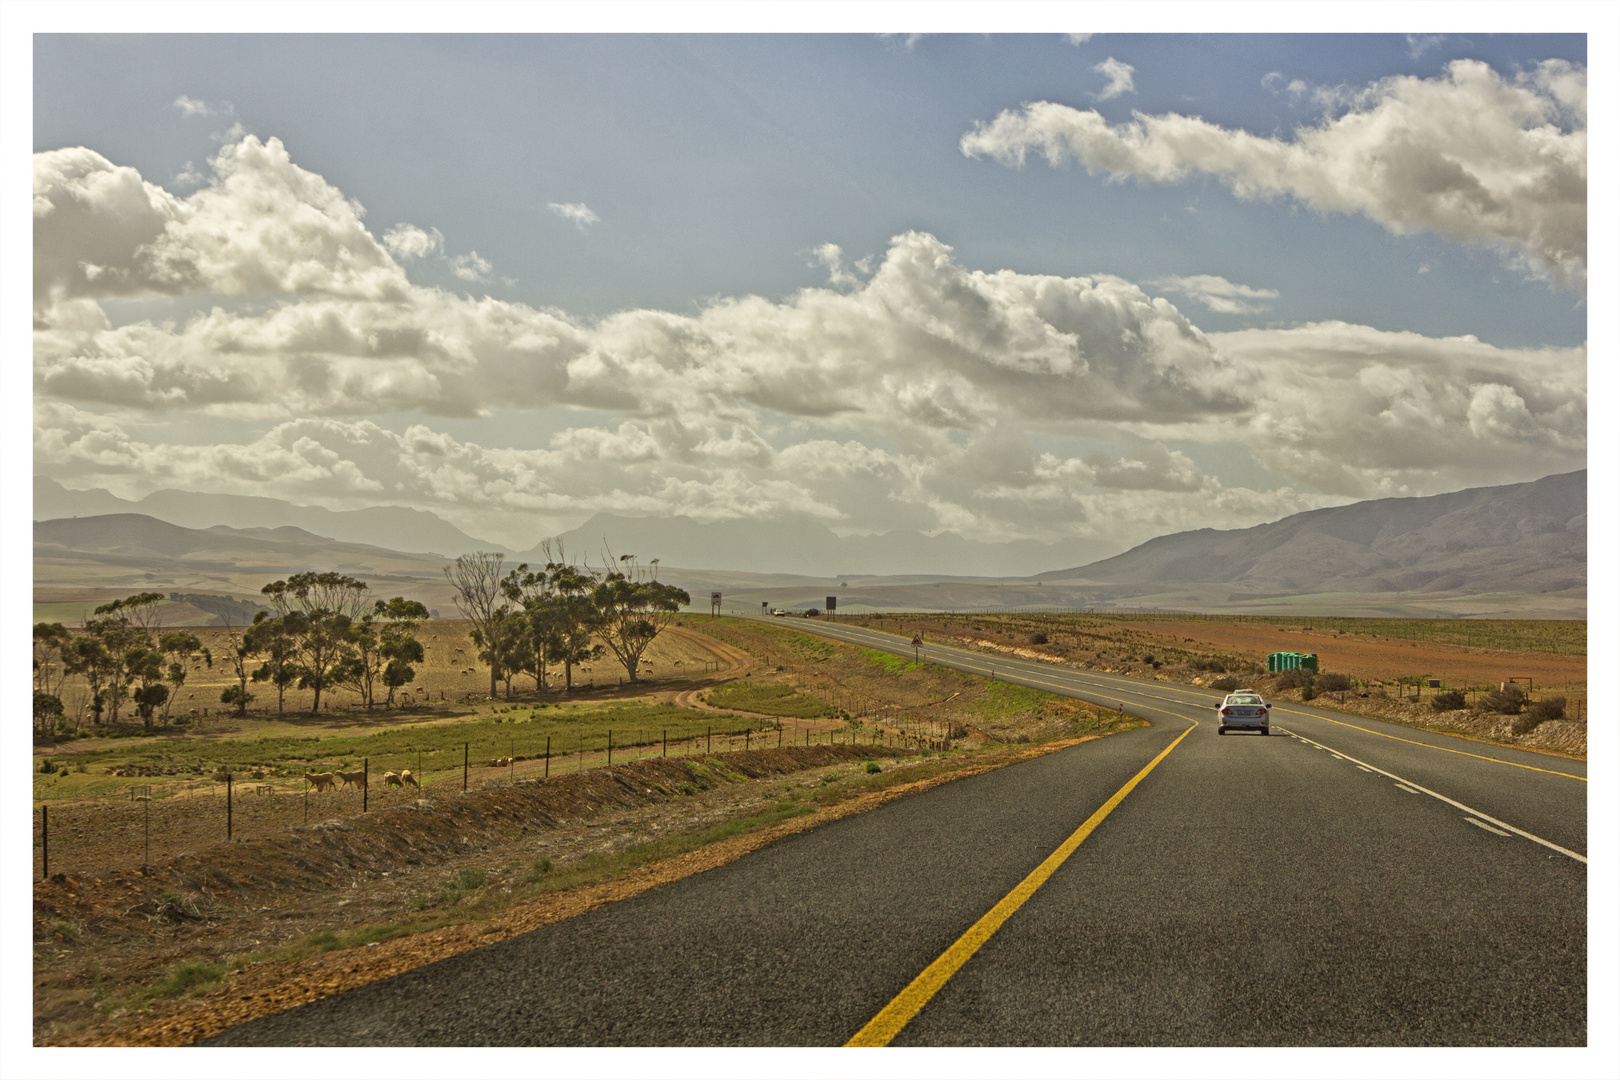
<point>548,755</point>
<point>45,842</point>
<point>466,761</point>
<point>365,784</point>
<point>228,822</point>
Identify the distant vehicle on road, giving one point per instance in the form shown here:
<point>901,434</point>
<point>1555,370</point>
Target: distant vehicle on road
<point>779,613</point>
<point>1245,710</point>
<point>812,613</point>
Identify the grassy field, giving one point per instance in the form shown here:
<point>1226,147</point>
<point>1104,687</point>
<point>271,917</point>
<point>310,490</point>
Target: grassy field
<point>425,747</point>
<point>773,699</point>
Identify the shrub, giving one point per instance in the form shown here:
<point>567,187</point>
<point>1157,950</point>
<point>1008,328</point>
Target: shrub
<point>1292,678</point>
<point>1037,638</point>
<point>1210,664</point>
<point>1226,683</point>
<point>685,788</point>
<point>1332,681</point>
<point>1509,700</point>
<point>47,766</point>
<point>538,869</point>
<point>873,767</point>
<point>1448,701</point>
<point>1537,714</point>
<point>1307,693</point>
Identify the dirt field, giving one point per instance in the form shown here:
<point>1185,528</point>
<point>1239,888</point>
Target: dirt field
<point>1121,645</point>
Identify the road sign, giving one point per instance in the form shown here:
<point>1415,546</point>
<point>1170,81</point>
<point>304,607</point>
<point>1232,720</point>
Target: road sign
<point>832,603</point>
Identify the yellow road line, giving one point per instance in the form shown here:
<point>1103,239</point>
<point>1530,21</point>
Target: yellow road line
<point>882,1028</point>
<point>1428,746</point>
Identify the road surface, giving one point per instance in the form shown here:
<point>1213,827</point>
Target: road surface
<point>1342,882</point>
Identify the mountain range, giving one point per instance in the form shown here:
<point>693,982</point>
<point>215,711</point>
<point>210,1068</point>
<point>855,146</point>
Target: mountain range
<point>1512,549</point>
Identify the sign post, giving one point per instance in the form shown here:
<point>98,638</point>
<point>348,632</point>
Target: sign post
<point>832,605</point>
<point>714,604</point>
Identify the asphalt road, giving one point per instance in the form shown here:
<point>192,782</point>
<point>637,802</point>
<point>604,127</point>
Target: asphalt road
<point>1342,882</point>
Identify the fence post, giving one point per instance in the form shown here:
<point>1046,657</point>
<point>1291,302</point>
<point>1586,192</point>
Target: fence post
<point>666,742</point>
<point>228,823</point>
<point>365,784</point>
<point>146,834</point>
<point>610,746</point>
<point>708,747</point>
<point>45,842</point>
<point>466,759</point>
<point>548,755</point>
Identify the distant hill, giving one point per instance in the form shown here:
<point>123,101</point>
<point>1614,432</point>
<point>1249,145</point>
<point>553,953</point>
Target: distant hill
<point>1515,538</point>
<point>139,541</point>
<point>806,547</point>
<point>395,527</point>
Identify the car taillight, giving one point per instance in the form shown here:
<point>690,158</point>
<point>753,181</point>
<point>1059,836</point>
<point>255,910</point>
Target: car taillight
<point>1225,711</point>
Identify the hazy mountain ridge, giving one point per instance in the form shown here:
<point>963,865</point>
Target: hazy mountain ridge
<point>801,547</point>
<point>1522,537</point>
<point>392,527</point>
<point>1522,546</point>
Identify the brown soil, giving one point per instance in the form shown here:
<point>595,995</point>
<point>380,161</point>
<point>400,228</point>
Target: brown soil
<point>1122,647</point>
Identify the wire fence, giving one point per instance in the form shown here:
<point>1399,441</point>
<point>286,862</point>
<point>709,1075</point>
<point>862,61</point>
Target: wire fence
<point>150,823</point>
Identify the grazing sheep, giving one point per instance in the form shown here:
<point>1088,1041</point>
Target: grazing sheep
<point>392,779</point>
<point>321,780</point>
<point>406,778</point>
<point>358,779</point>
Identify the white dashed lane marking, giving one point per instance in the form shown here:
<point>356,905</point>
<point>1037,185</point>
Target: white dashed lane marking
<point>1501,828</point>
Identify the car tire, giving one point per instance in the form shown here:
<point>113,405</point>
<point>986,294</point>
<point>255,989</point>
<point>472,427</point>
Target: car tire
<point>1265,731</point>
<point>1220,731</point>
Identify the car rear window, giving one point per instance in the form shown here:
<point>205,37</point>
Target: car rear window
<point>1244,699</point>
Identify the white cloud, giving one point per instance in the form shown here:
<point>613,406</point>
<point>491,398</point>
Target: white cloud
<point>1220,295</point>
<point>262,226</point>
<point>412,242</point>
<point>831,256</point>
<point>471,267</point>
<point>190,106</point>
<point>581,215</point>
<point>1078,39</point>
<point>1469,155</point>
<point>1418,44</point>
<point>1119,79</point>
<point>925,396</point>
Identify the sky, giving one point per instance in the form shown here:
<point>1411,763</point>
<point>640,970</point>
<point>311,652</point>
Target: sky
<point>1078,288</point>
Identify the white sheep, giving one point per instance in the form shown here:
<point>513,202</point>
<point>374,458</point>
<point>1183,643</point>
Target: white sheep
<point>392,779</point>
<point>406,778</point>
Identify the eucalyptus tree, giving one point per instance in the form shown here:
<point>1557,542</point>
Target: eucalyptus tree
<point>631,612</point>
<point>316,611</point>
<point>476,579</point>
<point>268,637</point>
<point>382,646</point>
<point>181,648</point>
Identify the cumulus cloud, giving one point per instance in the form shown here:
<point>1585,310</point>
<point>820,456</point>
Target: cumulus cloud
<point>1354,411</point>
<point>1220,295</point>
<point>261,226</point>
<point>190,106</point>
<point>924,395</point>
<point>832,257</point>
<point>577,212</point>
<point>412,242</point>
<point>1469,155</point>
<point>1119,75</point>
<point>1078,39</point>
<point>471,267</point>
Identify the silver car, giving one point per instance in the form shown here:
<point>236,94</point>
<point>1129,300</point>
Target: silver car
<point>1244,709</point>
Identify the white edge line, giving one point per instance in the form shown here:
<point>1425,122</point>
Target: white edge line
<point>1453,802</point>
